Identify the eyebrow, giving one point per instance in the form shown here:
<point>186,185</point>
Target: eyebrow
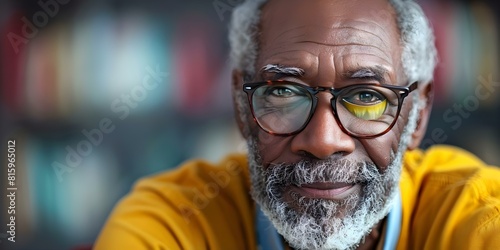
<point>368,73</point>
<point>281,69</point>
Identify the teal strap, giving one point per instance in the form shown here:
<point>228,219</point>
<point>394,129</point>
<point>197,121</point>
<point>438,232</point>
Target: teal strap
<point>393,225</point>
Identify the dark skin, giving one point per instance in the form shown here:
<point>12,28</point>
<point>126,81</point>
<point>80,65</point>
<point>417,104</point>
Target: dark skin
<point>329,40</point>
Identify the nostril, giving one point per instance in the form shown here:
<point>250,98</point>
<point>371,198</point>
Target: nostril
<point>308,155</point>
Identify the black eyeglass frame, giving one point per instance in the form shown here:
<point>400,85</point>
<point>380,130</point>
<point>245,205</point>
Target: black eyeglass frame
<point>400,91</point>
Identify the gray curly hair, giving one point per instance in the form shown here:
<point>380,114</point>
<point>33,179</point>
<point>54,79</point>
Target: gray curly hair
<point>419,56</point>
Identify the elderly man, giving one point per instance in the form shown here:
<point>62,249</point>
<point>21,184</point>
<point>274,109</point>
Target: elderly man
<point>333,97</point>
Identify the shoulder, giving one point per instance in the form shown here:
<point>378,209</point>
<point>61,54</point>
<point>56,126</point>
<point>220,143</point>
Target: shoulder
<point>455,197</point>
<point>449,169</point>
<point>199,176</point>
<point>448,165</point>
<point>185,208</point>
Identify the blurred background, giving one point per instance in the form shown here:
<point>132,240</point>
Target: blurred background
<point>153,78</point>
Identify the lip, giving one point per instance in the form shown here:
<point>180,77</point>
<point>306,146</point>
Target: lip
<point>327,190</point>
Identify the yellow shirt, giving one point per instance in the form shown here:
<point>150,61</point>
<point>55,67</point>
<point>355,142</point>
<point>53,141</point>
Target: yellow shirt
<point>450,199</point>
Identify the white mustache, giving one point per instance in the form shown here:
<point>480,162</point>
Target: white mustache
<point>307,172</point>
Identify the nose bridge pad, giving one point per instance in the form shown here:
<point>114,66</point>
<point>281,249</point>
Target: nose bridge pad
<point>333,100</point>
<point>333,107</point>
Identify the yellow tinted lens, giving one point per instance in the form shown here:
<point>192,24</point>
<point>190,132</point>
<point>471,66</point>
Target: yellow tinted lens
<point>368,112</point>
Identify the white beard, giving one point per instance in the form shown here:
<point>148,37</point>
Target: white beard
<point>309,223</point>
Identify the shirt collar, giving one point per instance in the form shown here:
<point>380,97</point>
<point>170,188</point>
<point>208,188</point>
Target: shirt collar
<point>267,236</point>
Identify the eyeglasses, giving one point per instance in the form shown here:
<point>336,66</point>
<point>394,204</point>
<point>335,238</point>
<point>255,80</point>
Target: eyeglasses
<point>362,111</point>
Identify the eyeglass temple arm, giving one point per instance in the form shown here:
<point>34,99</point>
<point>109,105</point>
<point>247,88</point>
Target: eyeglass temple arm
<point>413,86</point>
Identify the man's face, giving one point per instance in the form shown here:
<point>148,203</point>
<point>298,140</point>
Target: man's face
<point>322,187</point>
<point>330,40</point>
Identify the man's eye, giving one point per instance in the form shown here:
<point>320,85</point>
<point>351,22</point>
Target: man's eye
<point>365,104</point>
<point>283,91</point>
<point>365,98</point>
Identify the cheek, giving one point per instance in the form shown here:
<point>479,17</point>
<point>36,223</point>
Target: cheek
<point>270,147</point>
<point>379,149</point>
<point>403,116</point>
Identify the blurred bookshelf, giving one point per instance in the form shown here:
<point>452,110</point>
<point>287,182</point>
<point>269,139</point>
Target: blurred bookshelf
<point>74,72</point>
<point>467,80</point>
<point>155,70</point>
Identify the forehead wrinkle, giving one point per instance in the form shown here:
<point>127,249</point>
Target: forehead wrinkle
<point>342,45</point>
<point>369,25</point>
<point>380,28</point>
<point>294,57</point>
<point>284,32</point>
<point>344,37</point>
<point>288,51</point>
<point>385,60</point>
<point>353,44</point>
<point>362,30</point>
<point>336,33</point>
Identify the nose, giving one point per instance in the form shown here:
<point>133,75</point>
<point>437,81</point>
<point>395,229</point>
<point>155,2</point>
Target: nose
<point>322,137</point>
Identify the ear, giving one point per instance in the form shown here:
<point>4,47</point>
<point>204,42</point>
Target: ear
<point>237,85</point>
<point>426,94</point>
